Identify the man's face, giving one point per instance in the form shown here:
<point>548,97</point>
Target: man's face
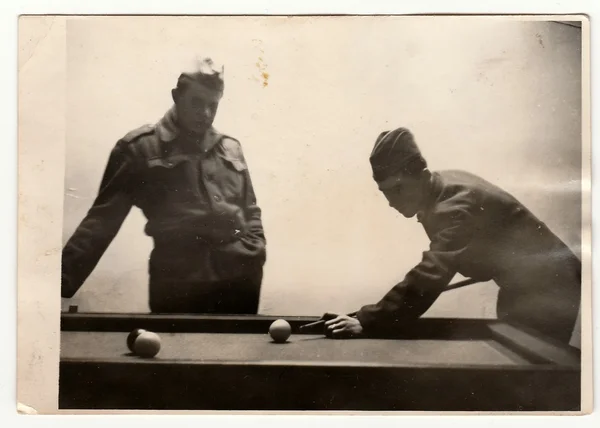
<point>196,107</point>
<point>404,193</point>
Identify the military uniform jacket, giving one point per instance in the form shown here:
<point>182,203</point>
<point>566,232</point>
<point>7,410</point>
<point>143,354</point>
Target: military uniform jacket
<point>198,199</point>
<point>480,231</point>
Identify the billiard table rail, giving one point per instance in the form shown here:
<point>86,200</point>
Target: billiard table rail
<point>289,386</point>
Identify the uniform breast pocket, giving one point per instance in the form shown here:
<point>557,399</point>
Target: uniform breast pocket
<point>228,176</point>
<point>168,180</point>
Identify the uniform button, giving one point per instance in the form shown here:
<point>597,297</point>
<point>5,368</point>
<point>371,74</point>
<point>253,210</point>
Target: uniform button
<point>217,198</point>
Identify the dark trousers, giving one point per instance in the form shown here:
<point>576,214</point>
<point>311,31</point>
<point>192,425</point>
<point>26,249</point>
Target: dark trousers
<point>238,296</point>
<point>542,291</point>
<point>552,311</point>
<point>555,321</point>
<point>178,280</point>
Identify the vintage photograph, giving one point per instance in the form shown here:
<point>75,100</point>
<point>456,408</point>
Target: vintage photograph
<point>324,213</point>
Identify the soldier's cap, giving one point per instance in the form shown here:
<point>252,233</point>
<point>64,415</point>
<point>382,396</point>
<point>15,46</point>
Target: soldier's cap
<point>206,72</point>
<point>392,152</point>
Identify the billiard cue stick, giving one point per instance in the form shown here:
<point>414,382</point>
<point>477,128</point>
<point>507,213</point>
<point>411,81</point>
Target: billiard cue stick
<point>454,286</point>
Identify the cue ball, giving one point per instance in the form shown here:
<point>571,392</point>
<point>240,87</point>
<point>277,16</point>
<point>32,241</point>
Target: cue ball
<point>132,336</point>
<point>147,344</point>
<point>280,331</point>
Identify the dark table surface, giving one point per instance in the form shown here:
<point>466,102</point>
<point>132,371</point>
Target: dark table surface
<point>215,347</point>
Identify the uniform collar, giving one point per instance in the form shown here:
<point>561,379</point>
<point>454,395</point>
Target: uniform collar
<point>433,192</point>
<point>169,132</point>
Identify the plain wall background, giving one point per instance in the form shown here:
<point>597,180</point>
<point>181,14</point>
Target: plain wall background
<point>498,98</point>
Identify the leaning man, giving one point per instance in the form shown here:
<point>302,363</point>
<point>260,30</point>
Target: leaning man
<point>477,230</point>
<point>193,186</point>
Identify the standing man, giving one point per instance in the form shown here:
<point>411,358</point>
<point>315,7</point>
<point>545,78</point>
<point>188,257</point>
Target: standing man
<point>192,184</point>
<point>478,230</point>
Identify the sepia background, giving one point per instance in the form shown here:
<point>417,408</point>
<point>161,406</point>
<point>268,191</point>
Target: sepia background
<point>498,98</point>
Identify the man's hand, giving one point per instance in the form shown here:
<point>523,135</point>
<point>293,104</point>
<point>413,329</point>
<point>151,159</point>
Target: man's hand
<point>343,327</point>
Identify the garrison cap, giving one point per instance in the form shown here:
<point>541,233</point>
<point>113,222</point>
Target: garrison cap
<point>206,72</point>
<point>392,152</point>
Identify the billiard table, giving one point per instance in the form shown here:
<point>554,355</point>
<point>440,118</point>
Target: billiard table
<point>219,362</point>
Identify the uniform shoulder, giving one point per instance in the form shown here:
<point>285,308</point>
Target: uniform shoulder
<point>230,149</point>
<point>143,130</point>
<point>142,142</point>
<point>461,182</point>
<point>231,146</point>
<point>230,142</point>
<point>457,175</point>
<point>458,182</point>
<point>455,191</point>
